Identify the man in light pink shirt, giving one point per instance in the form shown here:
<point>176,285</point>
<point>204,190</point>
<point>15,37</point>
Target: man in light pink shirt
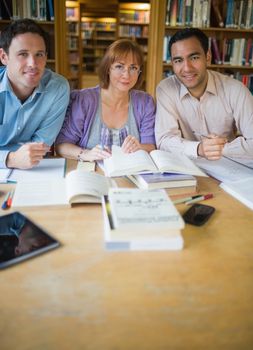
<point>202,112</point>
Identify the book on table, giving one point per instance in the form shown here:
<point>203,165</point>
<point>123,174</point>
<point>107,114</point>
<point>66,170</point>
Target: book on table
<point>47,168</point>
<point>236,176</point>
<point>122,164</point>
<point>171,181</point>
<point>138,219</point>
<point>77,187</point>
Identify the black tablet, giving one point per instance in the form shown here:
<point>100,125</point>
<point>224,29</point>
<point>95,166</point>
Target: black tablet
<point>21,239</point>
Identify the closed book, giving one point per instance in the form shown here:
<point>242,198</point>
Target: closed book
<point>163,180</point>
<point>136,219</point>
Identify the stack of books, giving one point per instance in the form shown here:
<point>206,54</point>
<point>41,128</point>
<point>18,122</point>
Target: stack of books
<point>136,219</point>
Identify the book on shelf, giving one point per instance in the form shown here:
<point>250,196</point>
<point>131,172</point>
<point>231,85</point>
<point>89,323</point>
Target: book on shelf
<point>122,164</point>
<point>164,180</point>
<point>136,219</point>
<point>77,187</point>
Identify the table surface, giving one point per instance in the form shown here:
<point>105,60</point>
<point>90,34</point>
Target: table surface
<point>81,296</point>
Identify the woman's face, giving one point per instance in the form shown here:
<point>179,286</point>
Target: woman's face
<point>124,73</point>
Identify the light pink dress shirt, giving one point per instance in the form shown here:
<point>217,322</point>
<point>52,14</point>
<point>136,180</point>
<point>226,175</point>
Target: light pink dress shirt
<point>225,108</point>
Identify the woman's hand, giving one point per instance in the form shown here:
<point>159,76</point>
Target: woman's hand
<point>131,144</point>
<point>96,153</point>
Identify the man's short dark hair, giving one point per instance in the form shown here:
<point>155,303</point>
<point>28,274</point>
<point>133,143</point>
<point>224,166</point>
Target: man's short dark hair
<point>187,33</point>
<point>20,26</point>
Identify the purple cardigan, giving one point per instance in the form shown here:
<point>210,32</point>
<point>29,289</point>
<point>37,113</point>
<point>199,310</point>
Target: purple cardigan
<point>82,110</point>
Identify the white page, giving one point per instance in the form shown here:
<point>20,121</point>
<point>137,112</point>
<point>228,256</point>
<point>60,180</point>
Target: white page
<point>224,169</point>
<point>4,175</point>
<point>121,163</point>
<point>40,193</point>
<point>86,183</point>
<point>175,162</point>
<point>241,190</point>
<point>48,168</point>
<point>86,166</point>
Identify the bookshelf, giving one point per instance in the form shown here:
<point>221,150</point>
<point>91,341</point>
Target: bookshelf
<point>97,34</point>
<point>74,67</point>
<point>50,15</point>
<point>235,36</point>
<point>133,23</point>
<point>98,31</point>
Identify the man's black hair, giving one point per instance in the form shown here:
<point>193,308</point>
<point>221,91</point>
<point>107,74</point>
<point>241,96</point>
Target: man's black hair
<point>187,33</point>
<point>20,26</point>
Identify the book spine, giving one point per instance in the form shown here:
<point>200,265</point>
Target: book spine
<point>50,10</point>
<point>188,12</point>
<point>217,12</point>
<point>215,50</point>
<point>248,14</point>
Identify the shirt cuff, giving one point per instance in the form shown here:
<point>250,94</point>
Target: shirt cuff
<point>191,148</point>
<point>3,158</point>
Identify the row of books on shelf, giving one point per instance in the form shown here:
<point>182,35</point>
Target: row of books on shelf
<point>74,57</point>
<point>42,10</point>
<point>98,25</point>
<point>73,28</point>
<point>72,14</point>
<point>206,13</point>
<point>194,13</point>
<point>133,31</point>
<point>134,16</point>
<point>239,14</point>
<point>72,43</point>
<point>235,52</point>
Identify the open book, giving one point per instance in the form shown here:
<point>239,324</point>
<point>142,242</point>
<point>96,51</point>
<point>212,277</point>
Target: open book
<point>136,219</point>
<point>77,187</point>
<point>241,190</point>
<point>121,164</point>
<point>47,168</point>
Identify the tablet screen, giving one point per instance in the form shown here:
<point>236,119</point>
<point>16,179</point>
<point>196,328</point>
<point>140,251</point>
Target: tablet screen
<point>21,239</point>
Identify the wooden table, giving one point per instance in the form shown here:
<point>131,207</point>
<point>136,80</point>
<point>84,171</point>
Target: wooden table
<point>83,297</point>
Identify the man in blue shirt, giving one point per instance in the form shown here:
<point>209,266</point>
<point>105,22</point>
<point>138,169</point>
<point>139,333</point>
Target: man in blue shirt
<point>33,99</point>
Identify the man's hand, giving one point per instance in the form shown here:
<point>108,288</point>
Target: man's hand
<point>27,156</point>
<point>211,147</point>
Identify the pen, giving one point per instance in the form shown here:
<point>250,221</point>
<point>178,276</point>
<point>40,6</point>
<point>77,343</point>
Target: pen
<point>9,200</point>
<point>200,198</point>
<point>186,199</point>
<point>4,205</point>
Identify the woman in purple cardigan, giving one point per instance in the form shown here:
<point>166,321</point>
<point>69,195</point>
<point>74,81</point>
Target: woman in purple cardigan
<point>113,113</point>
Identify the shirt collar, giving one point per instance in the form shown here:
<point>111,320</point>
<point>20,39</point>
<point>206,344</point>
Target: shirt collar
<point>210,88</point>
<point>6,86</point>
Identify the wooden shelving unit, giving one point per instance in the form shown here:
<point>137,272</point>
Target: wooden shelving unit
<point>74,67</point>
<point>133,23</point>
<point>97,34</point>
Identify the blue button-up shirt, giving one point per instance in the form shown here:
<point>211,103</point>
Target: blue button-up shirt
<point>38,119</point>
